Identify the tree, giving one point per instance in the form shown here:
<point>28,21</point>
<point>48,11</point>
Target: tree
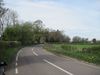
<point>22,33</point>
<point>2,9</point>
<point>14,17</point>
<point>84,40</point>
<point>2,12</point>
<point>94,40</point>
<point>76,39</point>
<point>56,36</point>
<point>67,39</point>
<point>27,33</point>
<point>39,30</point>
<point>12,33</point>
<point>10,18</point>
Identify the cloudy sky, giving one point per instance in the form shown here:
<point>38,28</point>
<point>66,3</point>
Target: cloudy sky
<point>74,17</point>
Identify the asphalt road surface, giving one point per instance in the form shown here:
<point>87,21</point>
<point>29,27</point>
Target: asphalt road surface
<point>37,61</point>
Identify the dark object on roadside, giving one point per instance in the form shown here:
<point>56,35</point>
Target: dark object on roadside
<point>3,64</point>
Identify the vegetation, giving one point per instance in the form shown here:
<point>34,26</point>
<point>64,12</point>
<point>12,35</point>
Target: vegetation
<point>8,49</point>
<point>89,53</point>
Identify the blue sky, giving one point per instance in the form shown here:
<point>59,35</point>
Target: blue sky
<point>74,17</point>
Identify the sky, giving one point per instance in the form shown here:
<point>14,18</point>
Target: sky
<point>73,17</point>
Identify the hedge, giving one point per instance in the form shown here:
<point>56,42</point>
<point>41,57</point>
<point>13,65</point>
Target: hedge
<point>7,44</point>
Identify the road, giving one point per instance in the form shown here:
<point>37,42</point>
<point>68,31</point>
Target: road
<point>37,61</point>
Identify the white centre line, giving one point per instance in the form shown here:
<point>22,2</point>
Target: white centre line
<point>16,71</point>
<point>34,53</point>
<point>57,67</point>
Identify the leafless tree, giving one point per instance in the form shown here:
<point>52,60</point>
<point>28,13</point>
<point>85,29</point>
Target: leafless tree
<point>10,18</point>
<point>2,12</point>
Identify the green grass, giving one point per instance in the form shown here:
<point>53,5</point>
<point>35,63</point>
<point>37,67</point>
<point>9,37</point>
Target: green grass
<point>8,54</point>
<point>8,50</point>
<point>76,51</point>
<point>79,47</point>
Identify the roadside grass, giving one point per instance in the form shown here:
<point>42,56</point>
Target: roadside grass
<point>89,53</point>
<point>8,50</point>
<point>8,54</point>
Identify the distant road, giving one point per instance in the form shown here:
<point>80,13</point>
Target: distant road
<point>37,61</point>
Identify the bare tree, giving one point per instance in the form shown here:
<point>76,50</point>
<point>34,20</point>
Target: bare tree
<point>14,17</point>
<point>2,12</point>
<point>10,18</point>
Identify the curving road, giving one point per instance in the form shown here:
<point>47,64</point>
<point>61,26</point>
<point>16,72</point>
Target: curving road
<point>37,61</point>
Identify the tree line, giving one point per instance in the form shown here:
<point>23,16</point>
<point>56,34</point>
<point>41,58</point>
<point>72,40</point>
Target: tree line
<point>30,33</point>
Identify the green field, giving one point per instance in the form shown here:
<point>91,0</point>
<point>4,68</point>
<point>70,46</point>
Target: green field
<point>89,53</point>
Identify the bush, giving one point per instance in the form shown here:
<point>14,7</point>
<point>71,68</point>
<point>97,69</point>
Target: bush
<point>8,49</point>
<point>14,44</point>
<point>3,44</point>
<point>94,49</point>
<point>68,47</point>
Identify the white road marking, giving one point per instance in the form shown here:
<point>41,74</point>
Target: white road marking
<point>16,58</point>
<point>16,64</point>
<point>57,67</point>
<point>34,53</point>
<point>16,71</point>
<point>18,55</point>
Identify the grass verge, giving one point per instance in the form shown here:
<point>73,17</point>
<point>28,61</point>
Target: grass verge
<point>87,53</point>
<point>8,54</point>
